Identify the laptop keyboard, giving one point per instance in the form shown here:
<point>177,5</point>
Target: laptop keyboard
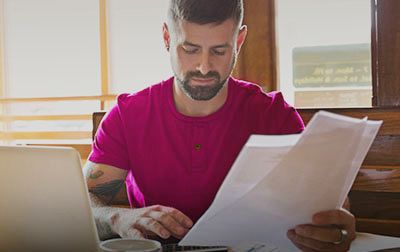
<point>176,247</point>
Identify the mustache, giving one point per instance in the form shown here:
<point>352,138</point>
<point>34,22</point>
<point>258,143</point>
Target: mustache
<point>197,74</point>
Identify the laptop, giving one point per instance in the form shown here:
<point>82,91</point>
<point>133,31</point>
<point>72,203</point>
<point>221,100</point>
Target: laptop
<point>44,203</point>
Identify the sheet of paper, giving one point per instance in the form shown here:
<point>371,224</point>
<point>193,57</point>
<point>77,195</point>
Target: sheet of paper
<point>275,185</point>
<point>363,242</point>
<point>370,242</point>
<point>266,151</point>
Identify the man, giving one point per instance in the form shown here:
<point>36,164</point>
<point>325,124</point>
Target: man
<point>174,142</point>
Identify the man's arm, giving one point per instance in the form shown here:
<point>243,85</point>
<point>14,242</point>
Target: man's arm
<point>104,183</point>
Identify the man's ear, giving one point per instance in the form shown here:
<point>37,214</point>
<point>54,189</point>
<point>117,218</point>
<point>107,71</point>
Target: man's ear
<point>166,36</point>
<point>241,37</point>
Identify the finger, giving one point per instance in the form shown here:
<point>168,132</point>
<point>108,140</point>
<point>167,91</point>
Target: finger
<point>146,224</point>
<point>341,218</point>
<point>312,244</point>
<point>169,223</point>
<point>290,235</point>
<point>177,215</point>
<point>336,217</point>
<point>319,233</point>
<point>133,233</point>
<point>303,248</point>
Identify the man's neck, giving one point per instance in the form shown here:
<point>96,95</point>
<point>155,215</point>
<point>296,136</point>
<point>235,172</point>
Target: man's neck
<point>190,107</point>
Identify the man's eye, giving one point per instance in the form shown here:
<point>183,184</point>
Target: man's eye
<point>219,52</point>
<point>190,50</point>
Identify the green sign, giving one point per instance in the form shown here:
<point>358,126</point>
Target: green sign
<point>332,66</point>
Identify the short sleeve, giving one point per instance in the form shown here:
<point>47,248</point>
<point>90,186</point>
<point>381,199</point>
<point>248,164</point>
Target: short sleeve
<point>109,146</point>
<point>276,117</point>
<point>282,117</point>
<point>293,123</point>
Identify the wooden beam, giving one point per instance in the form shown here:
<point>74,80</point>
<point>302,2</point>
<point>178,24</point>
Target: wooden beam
<point>2,70</point>
<point>83,149</point>
<point>381,227</point>
<point>257,59</point>
<point>104,50</point>
<point>5,124</point>
<point>381,167</point>
<point>390,116</point>
<point>46,135</point>
<point>378,180</point>
<point>374,56</point>
<point>387,53</point>
<point>55,99</point>
<point>44,117</point>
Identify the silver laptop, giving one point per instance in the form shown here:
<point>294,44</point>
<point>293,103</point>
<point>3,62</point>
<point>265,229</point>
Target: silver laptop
<point>44,203</point>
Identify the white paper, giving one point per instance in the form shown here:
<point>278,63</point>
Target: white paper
<point>276,184</point>
<point>364,242</point>
<point>370,242</point>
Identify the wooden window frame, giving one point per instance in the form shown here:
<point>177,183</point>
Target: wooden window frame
<point>104,51</point>
<point>257,61</point>
<point>2,78</point>
<point>2,70</point>
<point>386,53</point>
<point>105,98</point>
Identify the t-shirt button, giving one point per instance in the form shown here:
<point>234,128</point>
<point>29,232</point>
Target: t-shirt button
<point>197,146</point>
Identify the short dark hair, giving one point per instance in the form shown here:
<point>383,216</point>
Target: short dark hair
<point>206,11</point>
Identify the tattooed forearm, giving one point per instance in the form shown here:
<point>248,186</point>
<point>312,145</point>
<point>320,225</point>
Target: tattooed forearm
<point>107,191</point>
<point>105,184</point>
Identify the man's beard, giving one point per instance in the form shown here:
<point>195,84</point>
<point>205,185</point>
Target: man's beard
<point>201,93</point>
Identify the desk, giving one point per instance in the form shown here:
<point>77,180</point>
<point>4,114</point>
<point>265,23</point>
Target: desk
<point>364,242</point>
<point>370,242</point>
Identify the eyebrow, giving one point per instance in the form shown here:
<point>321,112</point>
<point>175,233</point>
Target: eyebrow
<point>226,45</point>
<point>187,43</point>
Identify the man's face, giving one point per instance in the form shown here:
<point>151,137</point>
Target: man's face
<point>202,56</point>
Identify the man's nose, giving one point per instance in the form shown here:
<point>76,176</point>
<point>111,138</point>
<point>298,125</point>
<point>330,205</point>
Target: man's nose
<point>204,66</point>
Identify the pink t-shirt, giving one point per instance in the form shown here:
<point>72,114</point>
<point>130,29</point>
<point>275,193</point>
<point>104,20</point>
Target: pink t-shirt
<point>181,161</point>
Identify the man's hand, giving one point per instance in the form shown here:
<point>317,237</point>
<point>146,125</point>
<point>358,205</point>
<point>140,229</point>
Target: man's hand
<point>105,183</point>
<point>153,220</point>
<point>326,233</point>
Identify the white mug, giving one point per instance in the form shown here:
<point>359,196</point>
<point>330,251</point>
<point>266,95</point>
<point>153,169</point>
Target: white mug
<point>130,245</point>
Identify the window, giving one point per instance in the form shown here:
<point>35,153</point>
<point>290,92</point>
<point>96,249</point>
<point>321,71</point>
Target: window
<point>137,54</point>
<point>42,40</point>
<point>49,51</point>
<point>62,60</point>
<point>324,51</point>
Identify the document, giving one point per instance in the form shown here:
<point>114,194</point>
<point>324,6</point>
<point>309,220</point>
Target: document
<point>278,182</point>
<point>363,242</point>
<point>370,242</point>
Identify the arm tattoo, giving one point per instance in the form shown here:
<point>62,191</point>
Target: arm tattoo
<point>95,174</point>
<point>107,190</point>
